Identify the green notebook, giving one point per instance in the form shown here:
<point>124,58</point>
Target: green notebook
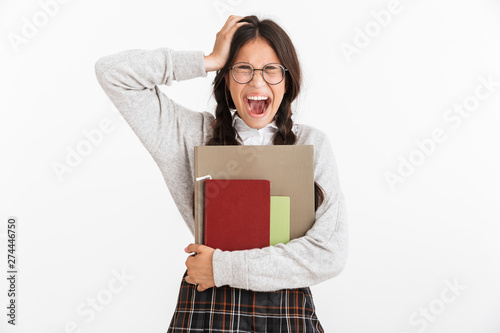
<point>280,220</point>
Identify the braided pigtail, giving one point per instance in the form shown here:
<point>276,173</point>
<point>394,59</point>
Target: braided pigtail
<point>284,122</point>
<point>222,127</point>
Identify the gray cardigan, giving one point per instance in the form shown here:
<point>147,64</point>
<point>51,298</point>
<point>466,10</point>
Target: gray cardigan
<point>169,132</point>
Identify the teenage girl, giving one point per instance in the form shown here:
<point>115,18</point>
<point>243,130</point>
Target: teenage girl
<point>258,77</point>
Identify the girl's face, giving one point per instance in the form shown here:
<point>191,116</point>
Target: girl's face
<point>250,98</point>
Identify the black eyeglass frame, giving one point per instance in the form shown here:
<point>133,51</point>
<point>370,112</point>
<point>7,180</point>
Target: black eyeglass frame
<point>283,71</point>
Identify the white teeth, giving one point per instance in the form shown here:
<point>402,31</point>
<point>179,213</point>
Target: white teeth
<point>257,98</point>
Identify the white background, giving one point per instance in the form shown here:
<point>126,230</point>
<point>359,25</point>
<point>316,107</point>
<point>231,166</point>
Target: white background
<point>438,226</point>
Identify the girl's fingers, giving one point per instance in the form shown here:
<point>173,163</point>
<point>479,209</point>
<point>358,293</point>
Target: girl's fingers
<point>233,18</point>
<point>236,26</point>
<point>217,59</point>
<point>189,280</point>
<point>232,23</point>
<point>228,23</point>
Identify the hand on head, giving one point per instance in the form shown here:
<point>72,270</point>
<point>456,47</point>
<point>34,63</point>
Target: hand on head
<point>216,60</point>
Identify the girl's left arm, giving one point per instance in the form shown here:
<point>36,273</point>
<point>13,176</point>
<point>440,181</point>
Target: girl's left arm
<point>319,255</point>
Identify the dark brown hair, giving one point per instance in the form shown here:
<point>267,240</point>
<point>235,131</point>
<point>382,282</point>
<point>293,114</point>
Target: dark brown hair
<point>277,38</point>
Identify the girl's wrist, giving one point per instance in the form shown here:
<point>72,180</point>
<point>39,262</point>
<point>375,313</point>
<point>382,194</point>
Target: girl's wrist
<point>210,64</point>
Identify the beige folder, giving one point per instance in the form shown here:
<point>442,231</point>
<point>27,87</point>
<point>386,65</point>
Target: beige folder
<point>290,168</point>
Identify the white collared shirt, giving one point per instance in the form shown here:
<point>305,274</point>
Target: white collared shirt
<point>251,136</point>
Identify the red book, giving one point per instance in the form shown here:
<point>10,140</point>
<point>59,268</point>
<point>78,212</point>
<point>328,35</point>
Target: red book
<point>237,213</point>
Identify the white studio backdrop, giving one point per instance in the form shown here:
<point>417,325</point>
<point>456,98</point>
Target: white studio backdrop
<point>408,92</point>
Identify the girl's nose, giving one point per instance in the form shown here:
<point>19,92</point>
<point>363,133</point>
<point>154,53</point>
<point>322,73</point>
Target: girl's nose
<point>258,79</point>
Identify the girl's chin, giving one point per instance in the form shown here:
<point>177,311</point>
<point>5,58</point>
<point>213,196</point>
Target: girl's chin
<point>256,123</point>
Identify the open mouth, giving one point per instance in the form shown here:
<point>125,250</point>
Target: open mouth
<point>257,105</point>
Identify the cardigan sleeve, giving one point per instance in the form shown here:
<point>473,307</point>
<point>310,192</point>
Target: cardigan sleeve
<point>305,261</point>
<point>131,78</point>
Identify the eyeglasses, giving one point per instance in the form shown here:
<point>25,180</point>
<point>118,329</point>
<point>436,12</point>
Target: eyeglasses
<point>243,72</point>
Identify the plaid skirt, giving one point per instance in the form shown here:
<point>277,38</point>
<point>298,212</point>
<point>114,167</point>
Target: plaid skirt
<point>227,309</point>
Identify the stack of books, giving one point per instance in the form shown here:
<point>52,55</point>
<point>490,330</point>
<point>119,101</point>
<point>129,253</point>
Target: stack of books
<point>253,196</point>
<point>241,214</point>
